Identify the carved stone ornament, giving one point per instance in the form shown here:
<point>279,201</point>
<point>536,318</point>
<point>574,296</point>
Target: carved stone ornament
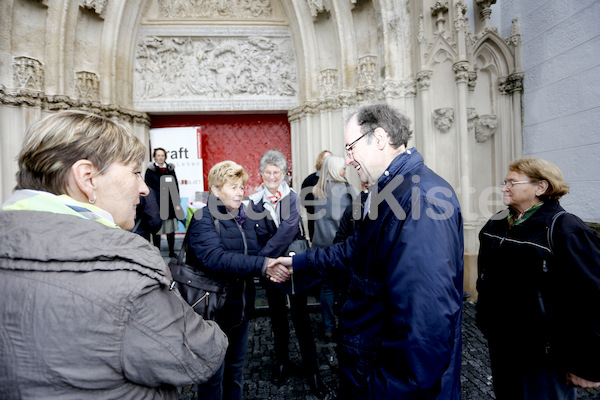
<point>367,70</point>
<point>472,82</point>
<point>402,88</point>
<point>87,85</point>
<point>424,79</point>
<point>317,7</point>
<point>461,69</point>
<point>96,6</point>
<point>328,82</point>
<point>485,127</point>
<point>511,83</point>
<point>439,11</point>
<point>214,9</point>
<point>443,119</point>
<point>28,73</point>
<point>471,117</point>
<point>214,68</point>
<point>515,34</point>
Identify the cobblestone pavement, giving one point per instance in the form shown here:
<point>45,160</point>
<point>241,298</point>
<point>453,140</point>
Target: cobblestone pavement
<point>475,373</point>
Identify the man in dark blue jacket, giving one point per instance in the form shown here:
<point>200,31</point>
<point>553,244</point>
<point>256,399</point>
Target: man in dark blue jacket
<point>400,326</point>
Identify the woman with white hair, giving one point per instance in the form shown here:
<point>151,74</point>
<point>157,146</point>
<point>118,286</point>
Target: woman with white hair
<point>281,204</point>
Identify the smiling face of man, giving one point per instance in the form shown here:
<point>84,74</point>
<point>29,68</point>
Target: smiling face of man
<point>361,153</point>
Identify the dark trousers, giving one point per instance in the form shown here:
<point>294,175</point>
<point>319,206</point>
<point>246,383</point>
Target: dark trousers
<point>524,377</point>
<point>170,242</point>
<point>281,331</point>
<point>228,382</point>
<point>328,297</point>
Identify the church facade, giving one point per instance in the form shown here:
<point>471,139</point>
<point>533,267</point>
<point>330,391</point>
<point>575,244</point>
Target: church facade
<point>443,63</point>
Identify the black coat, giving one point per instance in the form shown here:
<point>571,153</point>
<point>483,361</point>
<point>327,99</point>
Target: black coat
<point>307,198</point>
<point>147,215</point>
<point>222,253</point>
<point>152,178</point>
<point>531,297</point>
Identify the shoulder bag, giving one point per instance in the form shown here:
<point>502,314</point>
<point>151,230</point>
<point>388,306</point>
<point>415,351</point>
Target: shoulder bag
<point>205,293</point>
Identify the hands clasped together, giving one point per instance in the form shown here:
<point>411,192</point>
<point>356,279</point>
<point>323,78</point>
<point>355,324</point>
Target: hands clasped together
<point>279,269</point>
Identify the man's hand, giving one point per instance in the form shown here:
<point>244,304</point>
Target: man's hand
<point>285,262</point>
<point>277,272</point>
<point>574,380</point>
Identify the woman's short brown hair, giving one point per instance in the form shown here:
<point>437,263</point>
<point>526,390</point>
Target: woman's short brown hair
<point>538,169</point>
<point>54,143</point>
<point>224,172</point>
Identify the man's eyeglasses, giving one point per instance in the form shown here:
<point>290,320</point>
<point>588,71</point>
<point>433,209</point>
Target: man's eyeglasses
<point>510,184</point>
<point>348,147</point>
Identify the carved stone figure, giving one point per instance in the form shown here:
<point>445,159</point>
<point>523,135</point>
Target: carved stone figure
<point>328,82</point>
<point>87,85</point>
<point>216,9</point>
<point>443,119</point>
<point>367,70</point>
<point>175,67</point>
<point>28,73</point>
<point>485,127</point>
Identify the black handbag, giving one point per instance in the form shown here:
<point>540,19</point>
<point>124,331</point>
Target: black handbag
<point>298,245</point>
<point>204,292</point>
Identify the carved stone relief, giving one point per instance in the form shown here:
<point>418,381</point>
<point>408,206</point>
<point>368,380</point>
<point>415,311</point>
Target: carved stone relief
<point>471,117</point>
<point>399,88</point>
<point>95,6</point>
<point>28,73</point>
<point>367,70</point>
<point>485,127</point>
<point>317,7</point>
<point>511,83</point>
<point>461,73</point>
<point>424,79</point>
<point>229,9</point>
<point>439,11</point>
<point>472,80</point>
<point>186,67</point>
<point>328,82</point>
<point>443,119</point>
<point>87,85</point>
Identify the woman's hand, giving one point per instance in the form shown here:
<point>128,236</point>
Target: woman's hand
<point>277,272</point>
<point>574,380</point>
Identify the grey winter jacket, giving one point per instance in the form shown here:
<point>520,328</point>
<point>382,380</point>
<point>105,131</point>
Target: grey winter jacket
<point>86,313</point>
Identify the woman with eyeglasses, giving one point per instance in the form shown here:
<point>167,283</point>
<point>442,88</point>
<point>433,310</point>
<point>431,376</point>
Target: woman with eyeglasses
<point>539,289</point>
<point>281,205</point>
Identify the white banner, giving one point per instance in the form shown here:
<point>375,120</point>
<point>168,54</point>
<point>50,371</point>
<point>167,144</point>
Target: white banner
<point>184,151</point>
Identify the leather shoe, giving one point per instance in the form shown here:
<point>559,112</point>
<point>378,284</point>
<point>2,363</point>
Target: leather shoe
<point>316,386</point>
<point>280,374</point>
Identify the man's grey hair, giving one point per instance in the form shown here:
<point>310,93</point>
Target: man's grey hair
<point>396,124</point>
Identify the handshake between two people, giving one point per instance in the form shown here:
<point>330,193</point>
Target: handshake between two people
<point>279,269</point>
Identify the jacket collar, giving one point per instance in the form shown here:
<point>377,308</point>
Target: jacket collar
<point>401,165</point>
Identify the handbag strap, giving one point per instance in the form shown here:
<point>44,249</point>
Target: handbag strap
<point>187,238</point>
<point>551,230</point>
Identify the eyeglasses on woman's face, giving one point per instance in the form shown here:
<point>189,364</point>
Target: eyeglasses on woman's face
<point>510,184</point>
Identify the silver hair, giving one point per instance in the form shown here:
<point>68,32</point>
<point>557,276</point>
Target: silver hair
<point>273,157</point>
